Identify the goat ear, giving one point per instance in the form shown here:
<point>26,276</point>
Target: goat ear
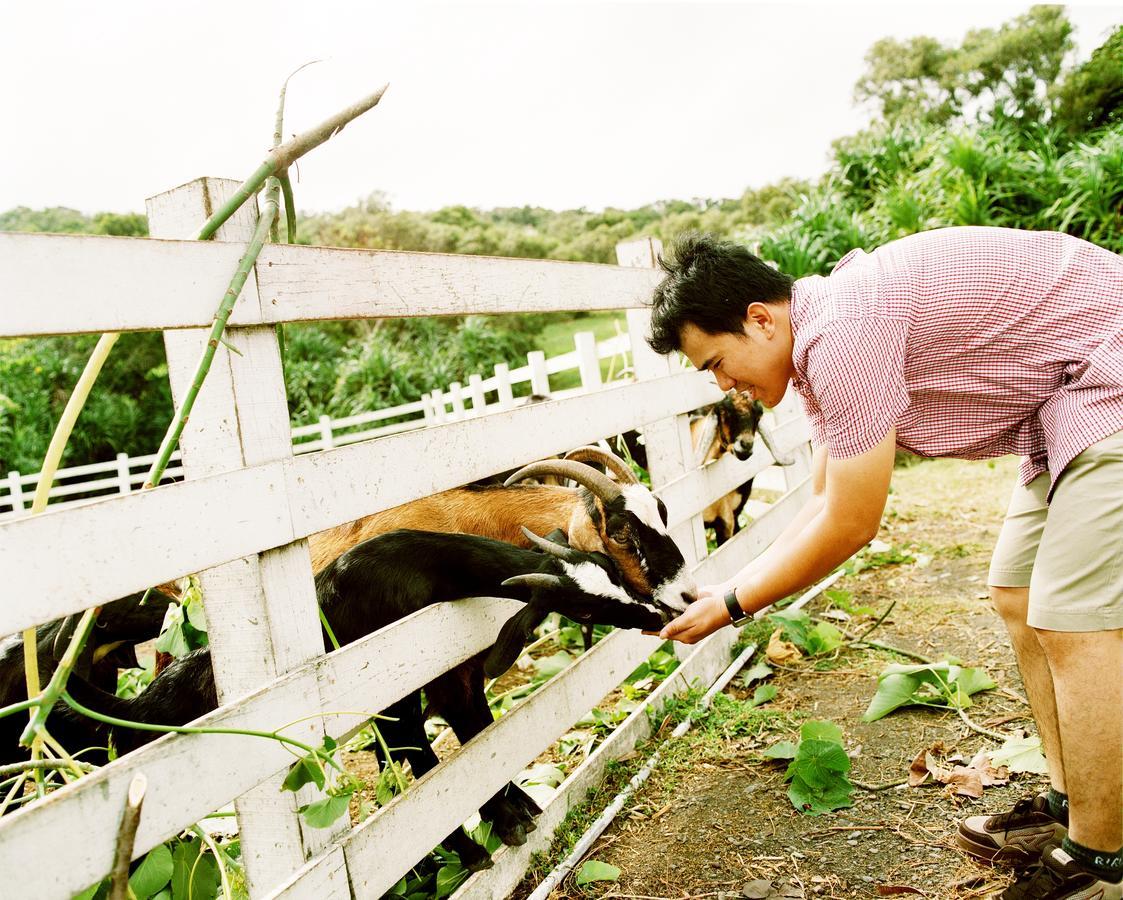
<point>512,639</point>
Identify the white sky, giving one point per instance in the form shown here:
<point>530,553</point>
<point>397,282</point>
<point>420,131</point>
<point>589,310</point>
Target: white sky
<point>503,104</point>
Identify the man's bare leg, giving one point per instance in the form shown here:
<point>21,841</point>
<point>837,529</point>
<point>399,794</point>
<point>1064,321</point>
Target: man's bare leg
<point>1012,604</point>
<point>1087,678</point>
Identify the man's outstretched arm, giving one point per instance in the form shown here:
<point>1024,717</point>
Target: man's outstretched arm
<point>847,516</point>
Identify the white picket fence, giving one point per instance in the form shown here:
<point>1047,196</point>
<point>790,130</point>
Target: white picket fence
<point>127,473</point>
<point>241,518</point>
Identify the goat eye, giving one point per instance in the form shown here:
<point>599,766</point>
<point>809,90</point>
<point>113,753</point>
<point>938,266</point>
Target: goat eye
<point>620,538</point>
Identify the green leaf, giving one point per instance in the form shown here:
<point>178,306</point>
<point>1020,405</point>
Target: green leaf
<point>1020,754</point>
<point>819,763</point>
<point>796,625</point>
<point>304,771</point>
<point>551,665</point>
<point>815,800</point>
<point>824,638</point>
<point>756,673</point>
<point>165,894</point>
<point>88,893</point>
<point>196,616</point>
<point>820,730</point>
<point>925,684</point>
<point>193,877</point>
<point>483,835</point>
<point>174,641</point>
<point>594,870</point>
<point>323,813</point>
<point>893,691</point>
<point>154,871</point>
<point>398,890</point>
<point>763,694</point>
<point>449,878</point>
<point>781,750</point>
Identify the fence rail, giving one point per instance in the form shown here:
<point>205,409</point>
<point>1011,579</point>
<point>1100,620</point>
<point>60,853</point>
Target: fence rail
<point>241,516</point>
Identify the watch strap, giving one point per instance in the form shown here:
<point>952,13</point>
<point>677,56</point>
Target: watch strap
<point>737,616</point>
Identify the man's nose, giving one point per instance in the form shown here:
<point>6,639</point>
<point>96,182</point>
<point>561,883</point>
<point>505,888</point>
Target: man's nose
<point>724,381</point>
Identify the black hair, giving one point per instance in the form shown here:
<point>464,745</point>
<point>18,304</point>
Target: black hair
<point>710,283</point>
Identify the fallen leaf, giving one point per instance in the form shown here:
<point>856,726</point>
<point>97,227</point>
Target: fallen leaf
<point>756,890</point>
<point>887,890</point>
<point>781,652</point>
<point>1020,754</point>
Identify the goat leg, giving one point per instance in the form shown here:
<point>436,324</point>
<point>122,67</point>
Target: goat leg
<point>404,733</point>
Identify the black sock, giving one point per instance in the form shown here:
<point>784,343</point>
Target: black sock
<point>1105,865</point>
<point>1057,804</point>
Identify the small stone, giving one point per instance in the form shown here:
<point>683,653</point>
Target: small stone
<point>797,855</point>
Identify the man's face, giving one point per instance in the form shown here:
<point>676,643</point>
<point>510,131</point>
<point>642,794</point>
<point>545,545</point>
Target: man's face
<point>757,362</point>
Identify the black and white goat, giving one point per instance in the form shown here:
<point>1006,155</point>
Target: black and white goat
<point>385,579</point>
<point>621,519</point>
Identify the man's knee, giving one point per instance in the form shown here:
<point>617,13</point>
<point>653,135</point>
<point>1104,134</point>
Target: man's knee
<point>1011,603</point>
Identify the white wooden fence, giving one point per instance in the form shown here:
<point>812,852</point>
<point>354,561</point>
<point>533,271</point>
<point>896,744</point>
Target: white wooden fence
<point>243,513</point>
<point>93,481</point>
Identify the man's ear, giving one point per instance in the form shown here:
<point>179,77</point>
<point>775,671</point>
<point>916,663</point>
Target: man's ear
<point>512,638</point>
<point>760,316</point>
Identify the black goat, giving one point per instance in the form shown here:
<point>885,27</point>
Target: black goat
<point>385,579</point>
<point>120,626</point>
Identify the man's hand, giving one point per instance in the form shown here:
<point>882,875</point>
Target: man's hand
<point>703,617</point>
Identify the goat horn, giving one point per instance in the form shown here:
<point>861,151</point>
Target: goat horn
<point>586,476</point>
<point>707,434</point>
<point>567,554</point>
<point>782,457</point>
<point>533,580</point>
<point>610,461</point>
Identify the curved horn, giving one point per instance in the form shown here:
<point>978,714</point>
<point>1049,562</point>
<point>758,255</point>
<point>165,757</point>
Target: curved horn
<point>568,554</point>
<point>610,461</point>
<point>586,476</point>
<point>533,580</point>
<point>707,433</point>
<point>782,457</point>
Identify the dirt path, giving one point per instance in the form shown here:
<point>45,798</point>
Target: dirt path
<point>715,820</point>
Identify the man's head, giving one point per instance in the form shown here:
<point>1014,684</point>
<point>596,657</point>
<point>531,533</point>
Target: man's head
<point>727,310</point>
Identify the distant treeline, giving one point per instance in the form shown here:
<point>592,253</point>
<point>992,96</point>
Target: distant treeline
<point>990,131</point>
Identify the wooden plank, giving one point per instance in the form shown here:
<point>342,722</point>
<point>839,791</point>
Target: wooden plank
<point>381,849</point>
<point>76,284</point>
<point>193,775</point>
<point>262,615</point>
<point>126,543</point>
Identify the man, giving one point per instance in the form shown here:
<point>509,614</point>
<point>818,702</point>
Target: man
<point>966,342</point>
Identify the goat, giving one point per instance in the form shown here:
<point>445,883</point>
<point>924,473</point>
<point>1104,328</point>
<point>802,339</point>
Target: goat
<point>622,519</point>
<point>730,427</point>
<point>121,625</point>
<point>384,579</point>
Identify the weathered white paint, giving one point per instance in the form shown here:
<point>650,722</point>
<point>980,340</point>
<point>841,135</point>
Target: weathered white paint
<point>363,677</point>
<point>262,616</point>
<point>73,284</point>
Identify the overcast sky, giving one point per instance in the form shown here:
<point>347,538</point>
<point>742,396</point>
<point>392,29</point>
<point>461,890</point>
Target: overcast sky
<point>502,104</point>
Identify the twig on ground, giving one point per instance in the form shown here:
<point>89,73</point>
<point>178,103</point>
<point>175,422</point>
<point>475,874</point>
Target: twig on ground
<point>879,787</point>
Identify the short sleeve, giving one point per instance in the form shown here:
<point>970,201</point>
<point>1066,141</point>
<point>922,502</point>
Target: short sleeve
<point>856,373</point>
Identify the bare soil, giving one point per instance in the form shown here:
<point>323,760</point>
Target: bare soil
<point>715,819</point>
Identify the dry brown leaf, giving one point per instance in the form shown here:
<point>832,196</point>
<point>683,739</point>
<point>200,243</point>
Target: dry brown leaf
<point>781,652</point>
<point>967,780</point>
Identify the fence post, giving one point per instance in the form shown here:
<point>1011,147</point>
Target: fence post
<point>261,611</point>
<point>588,363</point>
<point>503,386</point>
<point>670,453</point>
<point>326,437</point>
<point>539,379</point>
<point>456,394</point>
<point>15,492</point>
<point>476,392</point>
<point>438,399</point>
<point>124,485</point>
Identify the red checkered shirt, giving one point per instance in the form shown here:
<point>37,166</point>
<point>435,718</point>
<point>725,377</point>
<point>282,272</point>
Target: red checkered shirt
<point>972,342</point>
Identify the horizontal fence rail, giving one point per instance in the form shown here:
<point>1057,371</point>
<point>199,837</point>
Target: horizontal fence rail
<point>250,499</point>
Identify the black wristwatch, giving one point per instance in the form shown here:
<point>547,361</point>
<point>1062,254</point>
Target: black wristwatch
<point>737,616</point>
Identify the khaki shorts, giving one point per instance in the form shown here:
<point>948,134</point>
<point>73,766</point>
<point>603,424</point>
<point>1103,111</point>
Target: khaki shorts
<point>1069,552</point>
